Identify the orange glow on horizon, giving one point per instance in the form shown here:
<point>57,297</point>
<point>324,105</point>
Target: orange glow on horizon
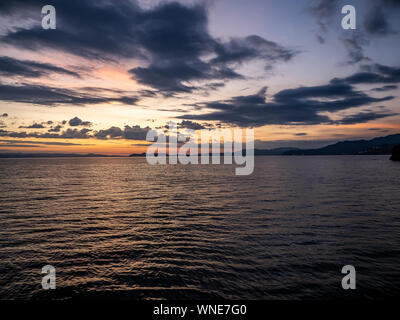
<point>79,146</point>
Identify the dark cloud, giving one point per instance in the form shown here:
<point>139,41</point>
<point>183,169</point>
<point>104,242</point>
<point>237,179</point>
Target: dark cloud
<point>187,124</point>
<point>214,86</point>
<point>55,129</point>
<point>74,122</point>
<point>327,91</point>
<point>48,143</point>
<point>363,117</point>
<point>50,96</point>
<point>67,134</point>
<point>135,132</point>
<point>70,134</point>
<point>393,3</point>
<point>372,74</point>
<point>239,50</point>
<point>323,10</point>
<point>33,126</point>
<point>301,134</point>
<point>173,76</point>
<point>128,132</point>
<point>140,144</point>
<point>112,132</point>
<point>376,22</point>
<point>354,46</point>
<point>31,69</point>
<point>379,129</point>
<point>7,7</point>
<point>300,106</point>
<point>180,110</point>
<point>19,145</point>
<point>101,90</point>
<point>171,38</point>
<point>82,22</point>
<point>385,88</point>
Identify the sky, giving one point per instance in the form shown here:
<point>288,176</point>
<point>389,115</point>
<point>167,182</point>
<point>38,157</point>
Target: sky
<point>113,70</point>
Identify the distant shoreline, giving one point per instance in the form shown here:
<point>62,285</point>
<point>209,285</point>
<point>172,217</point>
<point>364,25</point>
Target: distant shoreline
<point>55,155</point>
<point>3,156</point>
<point>376,146</point>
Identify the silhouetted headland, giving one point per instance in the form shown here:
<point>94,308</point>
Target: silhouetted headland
<point>376,146</point>
<point>395,153</point>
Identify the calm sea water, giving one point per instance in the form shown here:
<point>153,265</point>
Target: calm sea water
<point>119,228</point>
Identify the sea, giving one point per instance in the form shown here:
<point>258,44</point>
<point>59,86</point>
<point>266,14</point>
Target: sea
<point>120,228</point>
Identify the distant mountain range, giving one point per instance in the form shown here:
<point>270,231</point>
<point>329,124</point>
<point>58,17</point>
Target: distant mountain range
<point>382,145</point>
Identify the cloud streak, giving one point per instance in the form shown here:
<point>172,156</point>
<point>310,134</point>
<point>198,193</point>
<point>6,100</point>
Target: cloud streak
<point>372,74</point>
<point>30,69</point>
<point>51,96</point>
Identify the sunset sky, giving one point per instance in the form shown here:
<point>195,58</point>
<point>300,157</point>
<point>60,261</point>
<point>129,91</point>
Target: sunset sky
<point>114,69</point>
